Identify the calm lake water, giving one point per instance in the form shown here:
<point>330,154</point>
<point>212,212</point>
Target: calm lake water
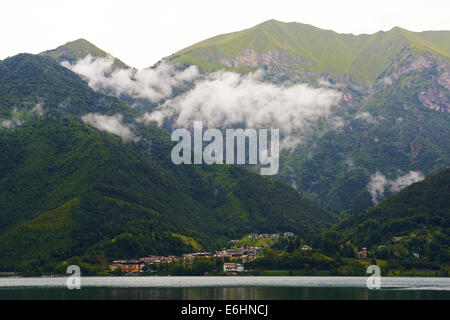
<point>234,288</point>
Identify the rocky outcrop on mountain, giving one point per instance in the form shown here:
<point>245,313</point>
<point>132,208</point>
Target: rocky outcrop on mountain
<point>272,60</point>
<point>435,99</point>
<point>408,62</point>
<point>444,75</point>
<point>426,69</point>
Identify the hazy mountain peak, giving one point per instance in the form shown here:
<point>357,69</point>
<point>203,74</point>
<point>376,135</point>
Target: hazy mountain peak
<point>79,49</point>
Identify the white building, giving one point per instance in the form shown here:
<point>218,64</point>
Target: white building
<point>233,267</point>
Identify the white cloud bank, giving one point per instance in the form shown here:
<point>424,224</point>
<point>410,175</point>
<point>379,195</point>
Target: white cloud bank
<point>378,183</point>
<point>152,84</point>
<point>225,99</point>
<point>112,124</point>
<point>220,99</point>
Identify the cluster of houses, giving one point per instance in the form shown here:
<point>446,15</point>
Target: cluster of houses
<point>269,235</point>
<point>243,254</point>
<point>363,253</point>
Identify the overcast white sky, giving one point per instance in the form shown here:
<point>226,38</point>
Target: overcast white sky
<point>142,32</point>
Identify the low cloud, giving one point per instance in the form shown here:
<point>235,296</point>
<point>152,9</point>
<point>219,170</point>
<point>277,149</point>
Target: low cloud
<point>38,109</point>
<point>112,124</point>
<point>349,162</point>
<point>365,116</point>
<point>378,183</point>
<point>152,84</point>
<point>226,99</point>
<point>19,117</point>
<point>406,180</point>
<point>336,122</point>
<point>8,123</point>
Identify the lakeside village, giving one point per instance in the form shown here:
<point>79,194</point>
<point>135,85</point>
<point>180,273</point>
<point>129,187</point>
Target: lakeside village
<point>286,254</point>
<point>233,259</point>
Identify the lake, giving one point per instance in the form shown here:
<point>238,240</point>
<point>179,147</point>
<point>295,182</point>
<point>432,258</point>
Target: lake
<point>229,288</point>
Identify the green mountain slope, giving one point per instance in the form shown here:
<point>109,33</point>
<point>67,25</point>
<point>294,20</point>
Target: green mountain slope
<point>420,209</point>
<point>67,189</point>
<point>75,51</point>
<point>28,80</point>
<point>295,46</point>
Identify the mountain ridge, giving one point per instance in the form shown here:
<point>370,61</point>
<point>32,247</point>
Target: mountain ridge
<point>343,53</point>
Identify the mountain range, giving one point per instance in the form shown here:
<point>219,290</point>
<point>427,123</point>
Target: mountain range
<point>302,49</point>
<point>83,171</point>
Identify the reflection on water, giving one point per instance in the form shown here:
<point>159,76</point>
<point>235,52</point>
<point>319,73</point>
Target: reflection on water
<point>243,293</point>
<point>229,288</point>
